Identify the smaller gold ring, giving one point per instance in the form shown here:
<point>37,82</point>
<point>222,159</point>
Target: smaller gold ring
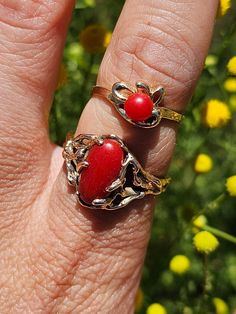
<point>105,174</point>
<point>126,101</point>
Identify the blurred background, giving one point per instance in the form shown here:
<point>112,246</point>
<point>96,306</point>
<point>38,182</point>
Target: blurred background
<point>191,259</point>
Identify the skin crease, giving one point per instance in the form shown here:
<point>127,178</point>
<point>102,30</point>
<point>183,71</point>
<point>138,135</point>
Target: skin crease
<point>55,256</point>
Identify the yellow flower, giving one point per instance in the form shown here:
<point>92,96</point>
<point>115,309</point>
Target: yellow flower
<point>232,102</point>
<point>107,39</point>
<point>156,308</point>
<point>139,300</point>
<point>199,222</point>
<point>211,60</point>
<point>220,306</point>
<point>230,85</point>
<point>224,6</point>
<point>231,66</point>
<point>205,242</point>
<point>179,264</point>
<point>94,38</point>
<point>215,113</point>
<point>203,163</point>
<point>231,185</point>
<point>62,76</point>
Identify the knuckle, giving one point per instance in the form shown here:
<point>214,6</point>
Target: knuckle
<point>155,49</point>
<point>32,15</point>
<point>28,33</point>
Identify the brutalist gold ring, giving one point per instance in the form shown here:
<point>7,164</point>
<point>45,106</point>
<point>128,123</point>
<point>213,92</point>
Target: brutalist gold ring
<point>106,175</point>
<point>141,106</point>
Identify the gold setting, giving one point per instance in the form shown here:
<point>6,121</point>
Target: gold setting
<point>121,91</point>
<point>123,190</point>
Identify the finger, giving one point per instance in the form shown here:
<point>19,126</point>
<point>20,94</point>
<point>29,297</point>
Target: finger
<point>166,44</point>
<point>32,36</point>
<point>153,51</point>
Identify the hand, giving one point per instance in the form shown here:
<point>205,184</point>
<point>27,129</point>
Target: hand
<point>57,257</point>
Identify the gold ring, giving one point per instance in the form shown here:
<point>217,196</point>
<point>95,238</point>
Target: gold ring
<point>141,106</point>
<point>105,174</point>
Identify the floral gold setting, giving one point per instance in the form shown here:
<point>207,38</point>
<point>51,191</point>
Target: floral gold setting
<point>105,173</point>
<point>140,106</point>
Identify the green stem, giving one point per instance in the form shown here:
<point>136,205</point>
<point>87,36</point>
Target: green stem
<point>219,83</point>
<point>201,307</point>
<point>192,181</point>
<point>220,234</point>
<point>205,282</point>
<point>213,204</point>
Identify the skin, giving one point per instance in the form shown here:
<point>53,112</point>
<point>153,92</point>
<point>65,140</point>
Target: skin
<point>55,256</point>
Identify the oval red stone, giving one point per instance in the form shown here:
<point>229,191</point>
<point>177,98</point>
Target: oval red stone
<point>138,107</point>
<point>105,163</point>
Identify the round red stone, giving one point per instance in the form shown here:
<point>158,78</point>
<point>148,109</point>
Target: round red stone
<point>105,163</point>
<point>138,107</point>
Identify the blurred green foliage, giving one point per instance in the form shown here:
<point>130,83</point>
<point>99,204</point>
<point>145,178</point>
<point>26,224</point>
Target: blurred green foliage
<point>189,193</point>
